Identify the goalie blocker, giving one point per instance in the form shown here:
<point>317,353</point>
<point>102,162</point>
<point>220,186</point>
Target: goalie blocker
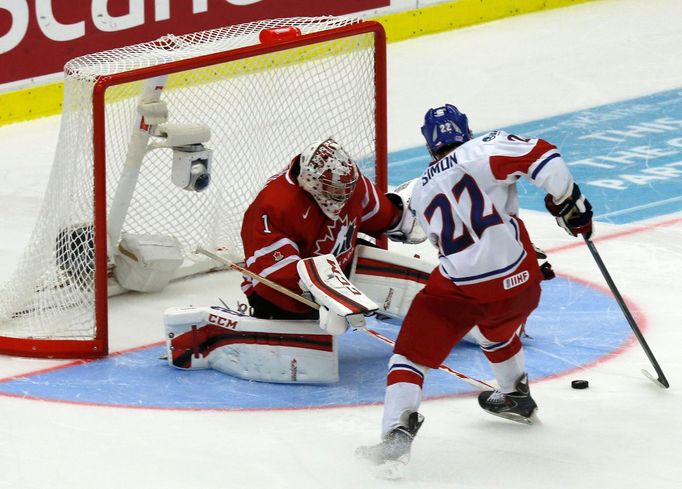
<point>342,304</point>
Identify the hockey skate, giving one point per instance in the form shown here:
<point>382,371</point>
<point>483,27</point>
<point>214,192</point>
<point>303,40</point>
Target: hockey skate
<point>516,406</point>
<point>393,453</point>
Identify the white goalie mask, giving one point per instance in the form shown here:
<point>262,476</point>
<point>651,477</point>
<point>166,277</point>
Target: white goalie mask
<point>329,175</point>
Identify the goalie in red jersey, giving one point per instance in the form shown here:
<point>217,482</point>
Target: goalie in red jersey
<point>315,207</point>
<point>300,233</point>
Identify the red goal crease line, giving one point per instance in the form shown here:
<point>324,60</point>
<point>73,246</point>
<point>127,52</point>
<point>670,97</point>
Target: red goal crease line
<point>73,363</point>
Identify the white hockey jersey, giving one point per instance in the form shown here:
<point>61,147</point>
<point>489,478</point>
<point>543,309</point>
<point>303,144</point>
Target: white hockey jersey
<point>467,203</point>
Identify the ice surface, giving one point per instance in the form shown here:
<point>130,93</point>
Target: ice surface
<point>622,432</point>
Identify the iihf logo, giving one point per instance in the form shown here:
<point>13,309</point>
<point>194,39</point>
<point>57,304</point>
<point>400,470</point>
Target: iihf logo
<point>516,280</point>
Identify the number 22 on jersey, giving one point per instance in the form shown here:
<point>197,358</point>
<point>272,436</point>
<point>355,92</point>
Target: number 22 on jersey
<point>449,242</point>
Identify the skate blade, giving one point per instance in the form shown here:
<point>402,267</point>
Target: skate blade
<point>532,419</point>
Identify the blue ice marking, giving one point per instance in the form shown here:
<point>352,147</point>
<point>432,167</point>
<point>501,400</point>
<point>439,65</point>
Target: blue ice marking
<point>625,156</point>
<point>573,326</point>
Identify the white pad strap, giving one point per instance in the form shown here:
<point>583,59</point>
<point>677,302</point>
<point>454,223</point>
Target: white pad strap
<point>338,298</point>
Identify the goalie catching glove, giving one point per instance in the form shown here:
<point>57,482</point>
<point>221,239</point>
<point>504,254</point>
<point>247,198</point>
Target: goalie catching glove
<point>407,229</point>
<point>341,303</point>
<point>573,213</point>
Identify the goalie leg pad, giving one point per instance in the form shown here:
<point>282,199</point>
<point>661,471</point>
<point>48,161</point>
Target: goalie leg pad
<point>388,278</point>
<point>279,351</point>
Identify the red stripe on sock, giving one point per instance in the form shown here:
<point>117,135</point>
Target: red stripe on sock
<point>400,375</point>
<point>499,356</point>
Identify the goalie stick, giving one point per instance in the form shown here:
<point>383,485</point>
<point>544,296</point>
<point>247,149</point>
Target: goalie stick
<point>661,381</point>
<point>479,384</point>
<point>255,276</point>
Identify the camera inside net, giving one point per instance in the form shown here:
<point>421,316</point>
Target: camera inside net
<point>192,167</point>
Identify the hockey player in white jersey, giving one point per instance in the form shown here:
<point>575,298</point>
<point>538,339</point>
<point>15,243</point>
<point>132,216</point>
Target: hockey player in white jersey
<point>487,276</point>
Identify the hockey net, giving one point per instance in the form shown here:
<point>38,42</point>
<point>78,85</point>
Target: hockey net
<point>264,101</point>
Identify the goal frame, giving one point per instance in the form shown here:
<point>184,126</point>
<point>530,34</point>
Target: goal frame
<point>99,345</point>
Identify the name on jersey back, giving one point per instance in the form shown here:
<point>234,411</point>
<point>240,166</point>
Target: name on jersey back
<point>439,166</point>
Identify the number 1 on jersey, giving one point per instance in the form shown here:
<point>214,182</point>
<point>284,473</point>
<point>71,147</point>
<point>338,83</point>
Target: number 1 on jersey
<point>266,229</point>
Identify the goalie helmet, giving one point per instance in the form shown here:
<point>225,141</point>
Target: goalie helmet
<point>329,175</point>
<point>445,127</point>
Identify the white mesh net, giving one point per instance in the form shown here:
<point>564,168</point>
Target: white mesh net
<point>261,110</point>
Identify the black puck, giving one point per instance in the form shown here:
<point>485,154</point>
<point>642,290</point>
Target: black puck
<point>580,384</point>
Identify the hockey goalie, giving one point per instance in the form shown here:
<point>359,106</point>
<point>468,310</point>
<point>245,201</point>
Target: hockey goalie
<point>308,246</point>
<point>295,350</point>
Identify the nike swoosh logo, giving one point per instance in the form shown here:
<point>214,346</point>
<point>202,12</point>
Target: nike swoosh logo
<point>305,214</point>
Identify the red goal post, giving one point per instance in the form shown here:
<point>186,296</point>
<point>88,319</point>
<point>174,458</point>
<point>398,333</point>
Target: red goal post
<point>263,90</point>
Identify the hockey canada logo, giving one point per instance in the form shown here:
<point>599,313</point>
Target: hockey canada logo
<point>338,239</point>
<point>516,280</point>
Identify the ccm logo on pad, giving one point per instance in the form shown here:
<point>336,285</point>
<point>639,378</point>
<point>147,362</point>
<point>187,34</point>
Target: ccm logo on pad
<point>222,321</point>
<point>516,280</point>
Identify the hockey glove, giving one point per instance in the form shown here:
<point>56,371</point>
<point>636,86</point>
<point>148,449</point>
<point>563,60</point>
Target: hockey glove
<point>574,213</point>
<point>545,266</point>
<point>406,229</point>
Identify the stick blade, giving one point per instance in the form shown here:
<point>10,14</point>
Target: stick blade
<point>662,382</point>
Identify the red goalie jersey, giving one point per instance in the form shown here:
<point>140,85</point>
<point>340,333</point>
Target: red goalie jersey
<point>285,224</point>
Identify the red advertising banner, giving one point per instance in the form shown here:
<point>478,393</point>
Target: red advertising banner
<point>37,37</point>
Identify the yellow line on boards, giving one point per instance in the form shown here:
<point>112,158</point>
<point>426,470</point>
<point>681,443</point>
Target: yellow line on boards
<point>44,100</point>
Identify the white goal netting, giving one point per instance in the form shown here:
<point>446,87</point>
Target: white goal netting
<point>261,109</point>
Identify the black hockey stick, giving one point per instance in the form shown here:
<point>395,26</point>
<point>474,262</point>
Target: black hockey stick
<point>661,381</point>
